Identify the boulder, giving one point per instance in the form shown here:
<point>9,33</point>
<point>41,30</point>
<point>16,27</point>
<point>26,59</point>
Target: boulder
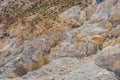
<point>66,49</point>
<point>116,31</point>
<point>103,11</point>
<point>109,58</point>
<point>115,16</point>
<point>70,16</point>
<point>28,57</point>
<point>75,16</point>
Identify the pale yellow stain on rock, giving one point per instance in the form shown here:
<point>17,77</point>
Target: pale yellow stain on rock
<point>109,25</point>
<point>111,42</point>
<point>41,62</point>
<point>79,40</point>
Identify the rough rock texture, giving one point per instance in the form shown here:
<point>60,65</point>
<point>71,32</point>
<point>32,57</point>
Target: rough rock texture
<point>71,69</point>
<point>75,16</point>
<point>109,59</point>
<point>59,40</point>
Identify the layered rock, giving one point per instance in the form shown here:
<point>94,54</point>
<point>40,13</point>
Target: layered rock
<point>109,59</point>
<point>75,16</point>
<point>71,69</point>
<point>38,48</point>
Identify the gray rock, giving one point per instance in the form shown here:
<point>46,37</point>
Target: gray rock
<point>109,58</point>
<point>71,69</point>
<point>103,11</point>
<point>115,16</point>
<point>115,31</point>
<point>75,16</point>
<point>27,57</point>
<point>67,49</point>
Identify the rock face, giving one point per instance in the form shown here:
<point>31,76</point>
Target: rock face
<point>75,16</point>
<point>81,43</point>
<point>26,58</point>
<point>109,59</point>
<point>71,69</point>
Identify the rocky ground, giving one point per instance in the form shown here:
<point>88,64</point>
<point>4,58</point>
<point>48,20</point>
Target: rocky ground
<point>59,40</point>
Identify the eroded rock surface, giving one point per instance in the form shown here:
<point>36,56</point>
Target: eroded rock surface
<point>108,58</point>
<point>57,43</point>
<point>71,69</point>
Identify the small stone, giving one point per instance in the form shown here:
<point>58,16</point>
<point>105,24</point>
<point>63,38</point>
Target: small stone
<point>98,39</point>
